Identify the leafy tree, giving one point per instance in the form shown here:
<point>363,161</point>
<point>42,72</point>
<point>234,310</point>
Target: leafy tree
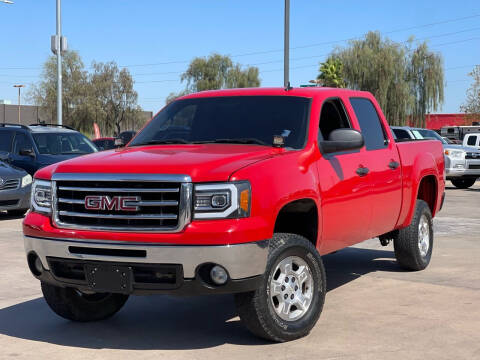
<point>216,72</point>
<point>472,102</point>
<point>407,81</point>
<point>75,89</point>
<point>105,96</point>
<point>331,73</point>
<point>113,97</point>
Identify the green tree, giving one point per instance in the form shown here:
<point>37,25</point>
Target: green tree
<point>216,72</point>
<point>113,99</point>
<point>407,81</point>
<point>105,95</point>
<point>75,87</point>
<point>331,73</point>
<point>472,102</point>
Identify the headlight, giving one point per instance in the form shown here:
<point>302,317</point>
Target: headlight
<point>220,201</point>
<point>455,154</point>
<point>42,196</point>
<point>26,180</point>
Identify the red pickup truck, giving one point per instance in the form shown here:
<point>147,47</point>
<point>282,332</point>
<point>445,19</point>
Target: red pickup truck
<point>233,191</point>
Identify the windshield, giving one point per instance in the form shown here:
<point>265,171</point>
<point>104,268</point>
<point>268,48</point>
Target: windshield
<point>63,143</point>
<point>431,135</point>
<point>236,119</point>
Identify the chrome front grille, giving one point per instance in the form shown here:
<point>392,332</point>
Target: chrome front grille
<point>10,184</point>
<point>472,155</point>
<point>122,202</point>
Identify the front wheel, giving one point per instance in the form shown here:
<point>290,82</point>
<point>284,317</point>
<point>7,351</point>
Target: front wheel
<point>463,183</point>
<point>290,299</point>
<point>75,305</point>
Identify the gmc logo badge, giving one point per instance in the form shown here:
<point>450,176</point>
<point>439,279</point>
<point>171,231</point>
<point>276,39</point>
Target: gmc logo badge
<point>104,202</point>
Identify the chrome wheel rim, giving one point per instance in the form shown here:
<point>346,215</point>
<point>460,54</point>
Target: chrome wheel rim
<point>291,288</point>
<point>423,236</point>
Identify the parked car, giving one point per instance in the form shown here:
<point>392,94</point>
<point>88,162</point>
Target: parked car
<point>462,163</point>
<point>38,145</point>
<point>259,186</point>
<point>472,140</point>
<point>105,143</point>
<point>15,187</point>
<point>124,137</point>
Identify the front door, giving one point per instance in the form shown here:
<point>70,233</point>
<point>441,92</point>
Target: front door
<point>345,185</point>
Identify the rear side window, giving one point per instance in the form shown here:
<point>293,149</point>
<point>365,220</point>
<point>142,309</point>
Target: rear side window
<point>370,125</point>
<point>472,140</point>
<point>6,141</point>
<point>401,134</point>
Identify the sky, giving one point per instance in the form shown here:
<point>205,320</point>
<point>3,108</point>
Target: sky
<point>156,39</point>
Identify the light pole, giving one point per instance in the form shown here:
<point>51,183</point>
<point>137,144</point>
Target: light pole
<point>6,1</point>
<point>286,47</point>
<point>19,88</point>
<point>58,46</point>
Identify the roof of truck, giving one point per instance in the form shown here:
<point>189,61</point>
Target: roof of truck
<point>277,91</point>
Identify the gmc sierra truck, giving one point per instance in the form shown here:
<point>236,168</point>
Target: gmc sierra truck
<point>233,191</point>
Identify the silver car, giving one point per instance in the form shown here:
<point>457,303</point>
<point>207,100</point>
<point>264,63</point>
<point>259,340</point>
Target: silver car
<point>15,188</point>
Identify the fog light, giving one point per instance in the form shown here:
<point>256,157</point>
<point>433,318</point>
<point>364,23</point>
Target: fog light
<point>218,275</point>
<point>459,166</point>
<point>38,265</point>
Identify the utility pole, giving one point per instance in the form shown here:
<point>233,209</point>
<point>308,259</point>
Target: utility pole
<point>59,46</point>
<point>19,88</point>
<point>286,47</point>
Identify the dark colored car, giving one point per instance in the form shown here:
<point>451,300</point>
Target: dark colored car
<point>38,145</point>
<point>105,143</point>
<point>124,137</point>
<point>15,188</point>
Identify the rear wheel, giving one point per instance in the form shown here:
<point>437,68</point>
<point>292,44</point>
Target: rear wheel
<point>290,300</point>
<point>463,183</point>
<point>413,245</point>
<point>75,305</point>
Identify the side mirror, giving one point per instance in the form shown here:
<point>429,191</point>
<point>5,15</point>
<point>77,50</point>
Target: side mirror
<point>342,140</point>
<point>4,156</point>
<point>27,152</point>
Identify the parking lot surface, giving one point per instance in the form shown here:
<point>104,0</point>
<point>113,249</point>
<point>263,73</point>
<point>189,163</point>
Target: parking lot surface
<point>373,310</point>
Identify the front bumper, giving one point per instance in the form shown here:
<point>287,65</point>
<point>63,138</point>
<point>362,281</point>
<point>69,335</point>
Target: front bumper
<point>15,199</point>
<point>245,263</point>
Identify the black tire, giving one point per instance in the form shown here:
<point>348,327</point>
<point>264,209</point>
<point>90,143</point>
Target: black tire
<point>406,243</point>
<point>76,306</point>
<point>463,183</point>
<point>255,308</point>
<point>18,213</point>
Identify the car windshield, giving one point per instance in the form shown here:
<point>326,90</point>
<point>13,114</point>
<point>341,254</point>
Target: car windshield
<point>63,143</point>
<point>235,120</point>
<point>431,135</point>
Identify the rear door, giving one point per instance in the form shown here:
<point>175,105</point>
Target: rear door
<point>384,167</point>
<point>346,209</point>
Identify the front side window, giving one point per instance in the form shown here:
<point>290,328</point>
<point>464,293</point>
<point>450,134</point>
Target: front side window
<point>63,144</point>
<point>332,117</point>
<point>370,125</point>
<point>232,119</point>
<point>21,142</point>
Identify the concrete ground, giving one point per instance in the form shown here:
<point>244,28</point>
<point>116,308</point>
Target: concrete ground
<point>373,310</point>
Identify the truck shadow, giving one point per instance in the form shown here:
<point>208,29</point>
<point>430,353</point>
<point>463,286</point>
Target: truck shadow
<point>171,323</point>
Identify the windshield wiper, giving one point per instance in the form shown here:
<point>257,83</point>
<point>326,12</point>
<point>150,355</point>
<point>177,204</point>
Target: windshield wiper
<point>233,141</point>
<point>159,142</point>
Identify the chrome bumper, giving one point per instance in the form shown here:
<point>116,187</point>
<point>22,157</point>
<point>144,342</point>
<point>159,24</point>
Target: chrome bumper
<point>241,260</point>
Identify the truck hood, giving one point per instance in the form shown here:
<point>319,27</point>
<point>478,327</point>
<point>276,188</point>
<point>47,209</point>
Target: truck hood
<point>205,162</point>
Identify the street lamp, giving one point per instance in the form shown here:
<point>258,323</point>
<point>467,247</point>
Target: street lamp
<point>19,88</point>
<point>6,1</point>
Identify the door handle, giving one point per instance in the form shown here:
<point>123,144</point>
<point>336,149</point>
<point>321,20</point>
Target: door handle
<point>393,165</point>
<point>362,171</point>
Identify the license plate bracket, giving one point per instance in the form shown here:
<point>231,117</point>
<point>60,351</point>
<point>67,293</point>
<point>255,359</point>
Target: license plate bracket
<point>109,278</point>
